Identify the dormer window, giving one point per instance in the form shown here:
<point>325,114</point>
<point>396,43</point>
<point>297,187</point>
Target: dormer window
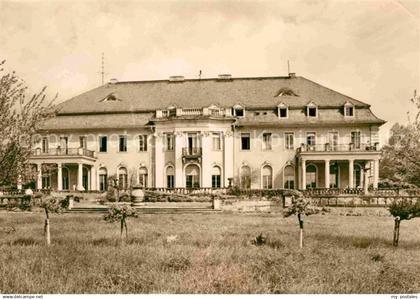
<point>110,98</point>
<point>238,111</point>
<point>312,110</point>
<point>282,111</point>
<point>348,109</point>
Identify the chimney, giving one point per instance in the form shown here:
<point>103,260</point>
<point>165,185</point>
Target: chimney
<point>176,78</point>
<point>292,75</point>
<point>224,77</point>
<point>113,81</point>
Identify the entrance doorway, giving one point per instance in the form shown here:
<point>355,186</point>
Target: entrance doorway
<point>192,176</point>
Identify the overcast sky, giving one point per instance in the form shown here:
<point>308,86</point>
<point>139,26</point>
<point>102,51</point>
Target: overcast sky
<point>365,49</point>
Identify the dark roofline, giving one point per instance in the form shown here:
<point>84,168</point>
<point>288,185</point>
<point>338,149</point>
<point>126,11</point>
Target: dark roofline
<point>202,79</point>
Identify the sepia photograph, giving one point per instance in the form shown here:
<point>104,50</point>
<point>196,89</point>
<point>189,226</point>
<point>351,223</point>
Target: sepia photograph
<point>210,147</point>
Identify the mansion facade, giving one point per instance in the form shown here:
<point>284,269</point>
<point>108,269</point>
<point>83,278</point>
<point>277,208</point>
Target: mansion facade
<point>259,133</point>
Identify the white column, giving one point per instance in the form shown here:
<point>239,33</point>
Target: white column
<point>93,179</point>
<point>366,181</point>
<point>39,176</point>
<point>59,177</point>
<point>179,144</point>
<point>351,168</point>
<point>303,172</point>
<point>80,177</point>
<point>327,173</point>
<point>375,173</point>
<point>89,176</point>
<point>227,158</point>
<point>159,162</point>
<point>206,160</point>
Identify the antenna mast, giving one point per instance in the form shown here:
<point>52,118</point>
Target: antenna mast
<point>103,68</point>
<point>288,67</point>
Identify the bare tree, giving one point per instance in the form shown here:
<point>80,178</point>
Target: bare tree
<point>300,207</point>
<point>20,118</point>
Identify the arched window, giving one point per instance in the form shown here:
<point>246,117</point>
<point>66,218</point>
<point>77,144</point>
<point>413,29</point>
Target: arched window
<point>143,177</point>
<point>289,177</point>
<point>170,177</point>
<point>216,175</point>
<point>192,176</point>
<point>245,177</point>
<point>122,178</point>
<point>103,179</point>
<point>311,176</point>
<point>267,177</point>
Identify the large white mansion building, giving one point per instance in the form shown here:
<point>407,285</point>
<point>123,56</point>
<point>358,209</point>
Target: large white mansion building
<point>268,132</point>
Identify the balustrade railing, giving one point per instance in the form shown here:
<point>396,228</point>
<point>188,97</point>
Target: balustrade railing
<point>191,111</point>
<point>327,147</point>
<point>64,152</point>
<point>189,190</point>
<point>331,191</point>
<point>191,151</point>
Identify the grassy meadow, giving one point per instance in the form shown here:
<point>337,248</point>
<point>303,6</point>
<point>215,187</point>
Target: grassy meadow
<point>212,253</point>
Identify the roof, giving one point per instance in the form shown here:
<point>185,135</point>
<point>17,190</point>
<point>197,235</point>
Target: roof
<point>97,121</point>
<point>199,93</point>
<point>297,117</point>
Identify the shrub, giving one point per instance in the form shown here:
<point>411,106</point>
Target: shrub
<point>25,203</point>
<point>120,213</point>
<point>259,240</point>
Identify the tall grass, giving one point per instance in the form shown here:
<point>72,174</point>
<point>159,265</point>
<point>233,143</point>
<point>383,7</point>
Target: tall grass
<point>213,253</point>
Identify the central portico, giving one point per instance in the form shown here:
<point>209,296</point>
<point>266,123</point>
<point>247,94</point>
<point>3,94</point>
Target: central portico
<point>197,153</point>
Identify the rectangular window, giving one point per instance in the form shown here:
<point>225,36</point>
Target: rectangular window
<point>123,143</point>
<point>169,141</point>
<point>355,139</point>
<point>310,138</point>
<point>215,181</point>
<point>217,141</point>
<point>245,141</point>
<point>46,182</point>
<point>283,112</point>
<point>45,144</point>
<point>239,112</point>
<point>170,181</point>
<point>103,144</point>
<point>82,142</point>
<point>143,143</point>
<point>312,111</point>
<point>289,141</point>
<point>267,141</point>
<point>348,111</point>
<point>333,140</point>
